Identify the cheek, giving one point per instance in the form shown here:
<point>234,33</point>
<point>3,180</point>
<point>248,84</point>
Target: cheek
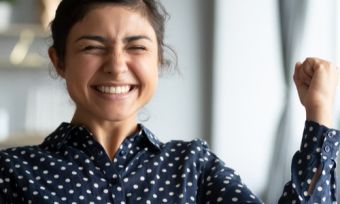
<point>147,71</point>
<point>82,67</point>
<point>78,76</point>
<point>151,76</point>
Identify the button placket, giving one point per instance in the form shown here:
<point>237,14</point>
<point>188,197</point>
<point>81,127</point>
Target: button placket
<point>116,188</point>
<point>122,152</point>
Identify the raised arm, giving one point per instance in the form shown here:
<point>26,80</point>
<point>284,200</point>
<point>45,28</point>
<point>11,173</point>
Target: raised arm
<point>316,82</point>
<point>313,166</point>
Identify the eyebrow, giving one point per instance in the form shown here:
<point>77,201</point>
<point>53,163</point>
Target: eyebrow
<point>104,40</point>
<point>135,38</point>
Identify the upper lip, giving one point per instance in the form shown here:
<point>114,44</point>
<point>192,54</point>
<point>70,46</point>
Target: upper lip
<point>114,84</point>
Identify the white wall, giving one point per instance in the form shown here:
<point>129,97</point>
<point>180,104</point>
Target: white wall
<point>248,86</point>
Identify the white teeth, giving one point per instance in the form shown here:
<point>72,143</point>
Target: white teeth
<point>113,89</point>
<point>119,90</point>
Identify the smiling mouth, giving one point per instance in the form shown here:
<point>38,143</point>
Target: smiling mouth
<point>115,89</point>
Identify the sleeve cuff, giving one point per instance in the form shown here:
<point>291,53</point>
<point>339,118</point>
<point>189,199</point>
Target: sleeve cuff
<point>320,139</point>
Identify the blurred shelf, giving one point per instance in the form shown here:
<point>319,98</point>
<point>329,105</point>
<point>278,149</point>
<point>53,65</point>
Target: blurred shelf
<point>38,63</point>
<point>15,30</point>
<point>16,140</point>
<point>22,45</point>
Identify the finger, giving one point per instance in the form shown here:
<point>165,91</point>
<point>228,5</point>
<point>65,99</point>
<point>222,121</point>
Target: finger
<point>300,85</point>
<point>298,64</point>
<point>301,75</point>
<point>309,66</point>
<point>296,76</point>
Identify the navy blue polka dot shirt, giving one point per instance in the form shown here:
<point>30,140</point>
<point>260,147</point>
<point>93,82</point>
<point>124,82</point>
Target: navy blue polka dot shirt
<point>71,167</point>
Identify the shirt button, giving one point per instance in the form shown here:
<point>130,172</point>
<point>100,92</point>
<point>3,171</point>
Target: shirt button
<point>327,148</point>
<point>331,134</point>
<point>122,153</point>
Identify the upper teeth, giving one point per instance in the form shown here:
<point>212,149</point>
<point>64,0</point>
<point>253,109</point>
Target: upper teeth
<point>114,89</point>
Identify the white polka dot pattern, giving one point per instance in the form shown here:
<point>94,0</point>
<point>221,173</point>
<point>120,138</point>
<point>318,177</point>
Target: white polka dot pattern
<point>319,148</point>
<point>71,167</point>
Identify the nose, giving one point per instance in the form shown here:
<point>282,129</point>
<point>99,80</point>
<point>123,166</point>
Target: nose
<point>115,63</point>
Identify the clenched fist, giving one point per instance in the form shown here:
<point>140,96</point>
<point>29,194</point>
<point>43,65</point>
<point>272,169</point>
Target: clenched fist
<point>316,82</point>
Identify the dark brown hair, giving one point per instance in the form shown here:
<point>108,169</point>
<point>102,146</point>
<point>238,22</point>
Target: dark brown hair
<point>69,12</point>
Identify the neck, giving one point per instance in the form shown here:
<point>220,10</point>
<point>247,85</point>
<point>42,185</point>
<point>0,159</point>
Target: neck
<point>110,134</point>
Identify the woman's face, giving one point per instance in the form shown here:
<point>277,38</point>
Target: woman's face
<point>111,64</point>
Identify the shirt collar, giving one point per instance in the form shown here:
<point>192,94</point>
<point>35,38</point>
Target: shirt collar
<point>150,136</point>
<point>63,134</point>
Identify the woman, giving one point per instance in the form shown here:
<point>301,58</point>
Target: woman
<point>109,52</point>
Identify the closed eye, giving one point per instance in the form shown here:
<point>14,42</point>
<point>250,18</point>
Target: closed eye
<point>94,50</point>
<point>137,48</point>
<point>91,47</point>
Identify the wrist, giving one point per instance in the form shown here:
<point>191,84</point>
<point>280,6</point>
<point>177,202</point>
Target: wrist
<point>321,116</point>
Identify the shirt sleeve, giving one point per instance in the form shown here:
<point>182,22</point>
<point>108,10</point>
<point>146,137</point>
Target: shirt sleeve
<point>2,178</point>
<point>319,149</point>
<point>220,184</point>
<point>2,200</point>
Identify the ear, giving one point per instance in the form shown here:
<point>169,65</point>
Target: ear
<point>58,65</point>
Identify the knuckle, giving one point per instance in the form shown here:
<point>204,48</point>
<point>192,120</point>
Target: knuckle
<point>324,65</point>
<point>310,59</point>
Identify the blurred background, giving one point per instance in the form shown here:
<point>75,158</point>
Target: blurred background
<point>234,88</point>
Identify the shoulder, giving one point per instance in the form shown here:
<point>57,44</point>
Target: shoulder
<point>16,155</point>
<point>180,145</point>
<point>198,150</point>
<point>20,150</point>
<point>194,151</point>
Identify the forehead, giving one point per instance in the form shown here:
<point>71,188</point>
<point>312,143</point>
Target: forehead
<point>113,21</point>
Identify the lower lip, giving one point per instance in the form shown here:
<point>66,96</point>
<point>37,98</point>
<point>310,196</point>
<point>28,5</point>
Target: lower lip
<point>109,96</point>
